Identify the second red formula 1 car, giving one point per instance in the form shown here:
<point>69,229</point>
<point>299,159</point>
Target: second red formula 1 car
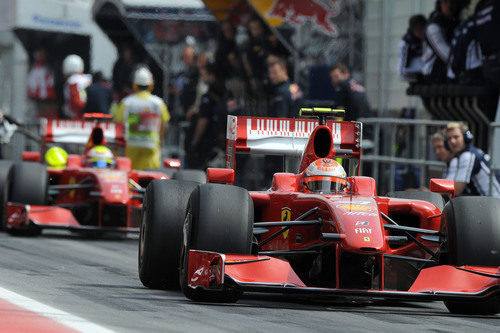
<point>78,194</point>
<point>321,231</point>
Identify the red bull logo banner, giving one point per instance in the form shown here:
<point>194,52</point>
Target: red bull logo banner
<point>298,12</point>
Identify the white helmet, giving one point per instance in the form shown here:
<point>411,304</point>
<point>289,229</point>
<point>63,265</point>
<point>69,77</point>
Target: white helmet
<point>143,77</point>
<point>72,64</point>
<point>325,176</point>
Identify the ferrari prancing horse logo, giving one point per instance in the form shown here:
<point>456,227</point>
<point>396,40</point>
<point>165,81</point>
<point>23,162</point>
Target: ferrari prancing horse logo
<point>286,215</point>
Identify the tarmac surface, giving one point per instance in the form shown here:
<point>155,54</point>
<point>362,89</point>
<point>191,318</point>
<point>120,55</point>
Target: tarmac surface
<point>97,279</point>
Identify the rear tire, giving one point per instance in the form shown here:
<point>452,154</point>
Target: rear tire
<point>219,219</point>
<point>434,198</point>
<point>191,175</point>
<point>160,240</point>
<point>166,171</point>
<point>5,177</point>
<point>472,238</point>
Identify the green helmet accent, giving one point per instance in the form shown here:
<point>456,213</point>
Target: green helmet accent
<point>56,157</point>
<point>100,157</point>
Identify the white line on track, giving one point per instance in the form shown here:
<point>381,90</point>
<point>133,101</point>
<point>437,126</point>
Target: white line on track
<point>64,318</point>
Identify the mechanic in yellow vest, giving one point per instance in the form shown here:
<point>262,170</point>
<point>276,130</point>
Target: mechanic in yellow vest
<point>145,117</point>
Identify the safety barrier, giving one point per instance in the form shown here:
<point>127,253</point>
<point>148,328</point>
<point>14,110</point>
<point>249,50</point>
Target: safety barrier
<point>399,142</point>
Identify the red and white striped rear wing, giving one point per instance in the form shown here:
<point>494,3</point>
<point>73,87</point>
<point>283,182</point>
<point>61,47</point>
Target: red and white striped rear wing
<point>78,131</point>
<point>285,137</point>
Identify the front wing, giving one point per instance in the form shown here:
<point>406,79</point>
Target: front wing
<point>210,270</point>
<point>20,216</point>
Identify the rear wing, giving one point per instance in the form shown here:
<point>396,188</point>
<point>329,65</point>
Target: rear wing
<point>286,137</point>
<point>78,131</point>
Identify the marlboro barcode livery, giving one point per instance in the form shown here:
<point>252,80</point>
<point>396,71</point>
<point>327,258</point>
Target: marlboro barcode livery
<point>320,232</point>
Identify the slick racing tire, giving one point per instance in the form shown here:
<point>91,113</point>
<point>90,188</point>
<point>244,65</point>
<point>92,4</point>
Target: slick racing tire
<point>29,183</point>
<point>490,307</point>
<point>160,240</point>
<point>472,238</point>
<point>191,175</point>
<point>5,177</point>
<point>166,171</point>
<point>219,219</point>
<point>434,198</point>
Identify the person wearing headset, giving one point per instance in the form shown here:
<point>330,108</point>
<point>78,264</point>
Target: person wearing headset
<point>472,171</point>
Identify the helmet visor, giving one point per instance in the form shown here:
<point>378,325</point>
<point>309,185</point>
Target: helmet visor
<point>325,185</point>
<point>101,163</point>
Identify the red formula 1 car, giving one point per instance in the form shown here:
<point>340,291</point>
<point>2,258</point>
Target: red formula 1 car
<point>218,240</point>
<point>75,196</point>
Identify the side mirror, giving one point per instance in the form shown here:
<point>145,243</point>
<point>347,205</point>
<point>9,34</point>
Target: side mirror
<point>220,175</point>
<point>443,186</point>
<point>171,163</point>
<point>31,156</point>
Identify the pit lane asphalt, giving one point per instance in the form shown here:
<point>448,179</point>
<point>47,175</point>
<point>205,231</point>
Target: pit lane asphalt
<point>97,279</point>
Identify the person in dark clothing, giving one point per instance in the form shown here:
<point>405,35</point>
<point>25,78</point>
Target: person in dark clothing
<point>465,61</point>
<point>122,73</point>
<point>350,95</point>
<point>487,20</point>
<point>99,97</point>
<point>410,50</point>
<point>188,80</point>
<point>255,54</point>
<point>209,131</point>
<point>437,40</point>
<point>285,102</point>
<point>226,45</point>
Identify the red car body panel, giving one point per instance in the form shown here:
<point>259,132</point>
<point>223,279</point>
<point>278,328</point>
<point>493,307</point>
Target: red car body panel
<point>355,218</point>
<point>210,270</point>
<point>111,201</point>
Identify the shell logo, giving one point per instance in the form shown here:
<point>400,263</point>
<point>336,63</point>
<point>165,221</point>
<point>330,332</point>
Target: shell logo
<point>355,207</point>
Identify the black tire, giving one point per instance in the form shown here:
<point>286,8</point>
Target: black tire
<point>219,219</point>
<point>472,238</point>
<point>29,183</point>
<point>5,177</point>
<point>191,175</point>
<point>472,233</point>
<point>160,241</point>
<point>169,172</point>
<point>434,198</point>
<point>490,307</point>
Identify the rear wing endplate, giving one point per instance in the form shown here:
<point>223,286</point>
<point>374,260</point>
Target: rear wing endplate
<point>285,137</point>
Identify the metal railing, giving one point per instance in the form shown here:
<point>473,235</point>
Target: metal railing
<point>387,141</point>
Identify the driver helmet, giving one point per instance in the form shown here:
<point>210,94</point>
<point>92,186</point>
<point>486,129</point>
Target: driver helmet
<point>325,176</point>
<point>56,157</point>
<point>100,157</point>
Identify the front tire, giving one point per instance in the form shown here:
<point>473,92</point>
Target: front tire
<point>29,183</point>
<point>219,219</point>
<point>472,238</point>
<point>5,177</point>
<point>191,175</point>
<point>160,240</point>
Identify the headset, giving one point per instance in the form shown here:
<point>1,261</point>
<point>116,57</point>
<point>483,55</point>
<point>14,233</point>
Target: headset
<point>468,137</point>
